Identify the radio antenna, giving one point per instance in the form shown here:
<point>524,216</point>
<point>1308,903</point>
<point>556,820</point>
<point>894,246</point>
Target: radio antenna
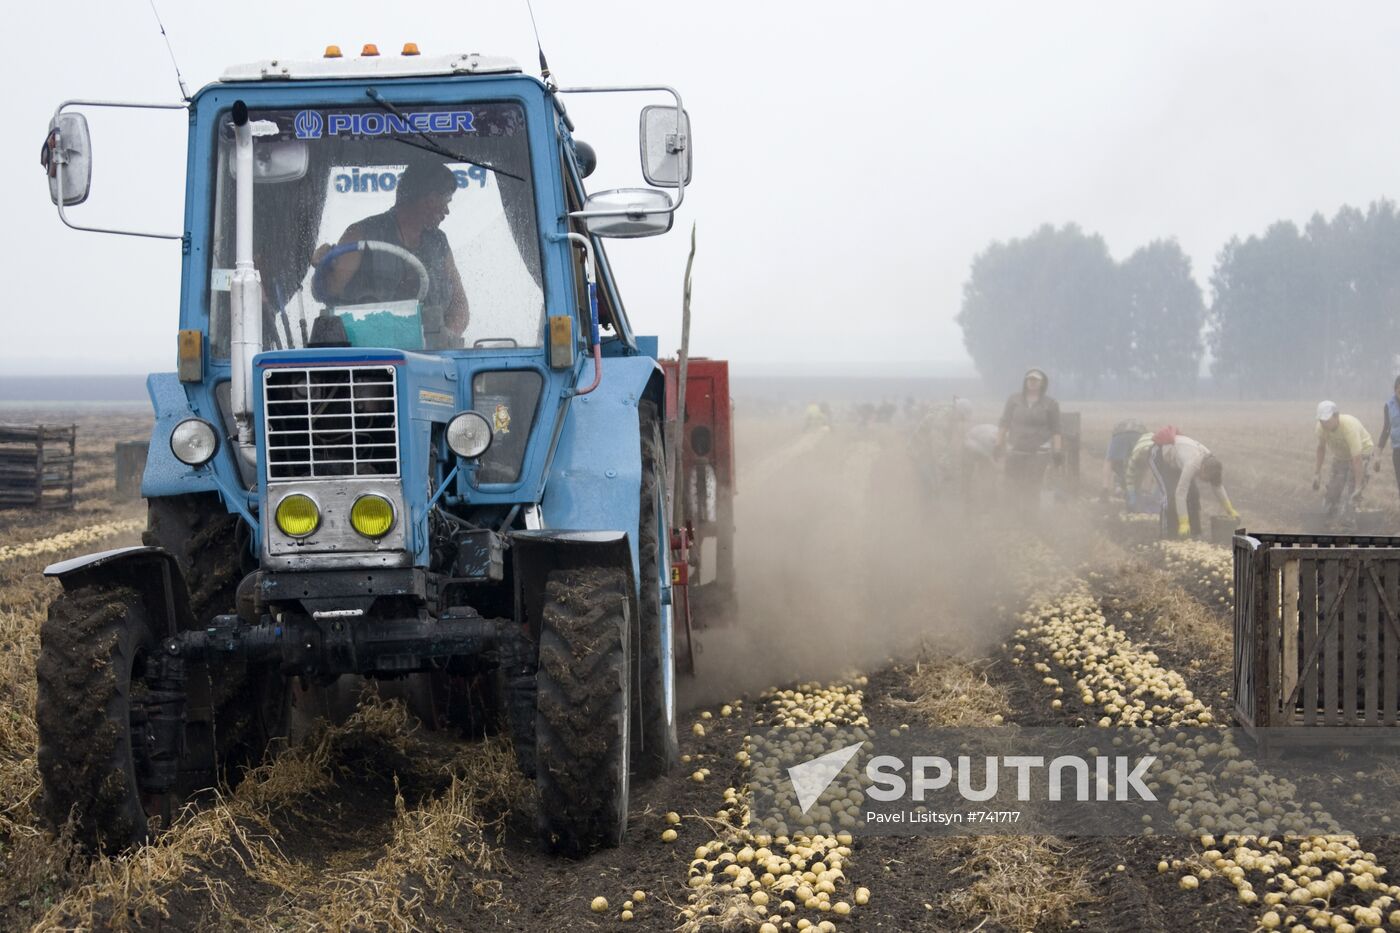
<point>544,65</point>
<point>184,91</point>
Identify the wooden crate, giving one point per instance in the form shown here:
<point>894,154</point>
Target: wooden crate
<point>36,465</point>
<point>1317,634</point>
<point>131,465</point>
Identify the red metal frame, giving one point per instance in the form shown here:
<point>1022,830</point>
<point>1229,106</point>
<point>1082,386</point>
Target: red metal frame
<point>707,405</point>
<point>706,441</point>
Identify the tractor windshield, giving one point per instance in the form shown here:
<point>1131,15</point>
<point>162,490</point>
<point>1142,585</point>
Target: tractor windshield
<point>411,227</point>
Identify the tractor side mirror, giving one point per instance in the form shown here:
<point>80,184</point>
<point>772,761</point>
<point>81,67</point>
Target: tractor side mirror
<point>665,140</point>
<point>665,149</point>
<point>635,212</point>
<point>67,159</point>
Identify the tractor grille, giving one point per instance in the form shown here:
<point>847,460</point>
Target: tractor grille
<point>324,422</point>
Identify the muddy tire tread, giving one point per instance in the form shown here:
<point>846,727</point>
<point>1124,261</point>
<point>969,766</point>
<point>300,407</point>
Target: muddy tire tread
<point>581,711</point>
<point>202,537</point>
<point>85,763</point>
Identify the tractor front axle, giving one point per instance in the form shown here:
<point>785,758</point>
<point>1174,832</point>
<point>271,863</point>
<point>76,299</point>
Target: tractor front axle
<point>331,643</point>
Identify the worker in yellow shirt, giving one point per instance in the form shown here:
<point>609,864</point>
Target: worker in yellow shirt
<point>1351,448</point>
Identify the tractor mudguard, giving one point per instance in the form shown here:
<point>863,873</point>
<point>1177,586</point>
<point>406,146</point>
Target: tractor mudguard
<point>165,475</point>
<point>152,571</point>
<point>535,553</point>
<point>595,478</point>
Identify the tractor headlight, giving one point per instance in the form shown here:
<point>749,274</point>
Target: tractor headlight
<point>298,516</point>
<point>468,435</point>
<point>372,516</point>
<point>194,442</point>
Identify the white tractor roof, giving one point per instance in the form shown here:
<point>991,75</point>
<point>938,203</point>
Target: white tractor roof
<point>370,66</point>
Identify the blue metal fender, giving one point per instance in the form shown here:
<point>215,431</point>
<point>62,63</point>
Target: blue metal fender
<point>536,553</point>
<point>594,483</point>
<point>166,476</point>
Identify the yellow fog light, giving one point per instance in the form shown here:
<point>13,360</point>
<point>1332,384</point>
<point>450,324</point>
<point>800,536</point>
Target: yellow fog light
<point>372,516</point>
<point>298,516</point>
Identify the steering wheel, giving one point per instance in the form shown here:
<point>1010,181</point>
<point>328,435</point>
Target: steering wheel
<point>318,282</point>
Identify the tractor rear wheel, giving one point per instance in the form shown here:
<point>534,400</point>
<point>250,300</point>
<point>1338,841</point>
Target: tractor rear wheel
<point>654,647</point>
<point>583,710</point>
<point>93,649</point>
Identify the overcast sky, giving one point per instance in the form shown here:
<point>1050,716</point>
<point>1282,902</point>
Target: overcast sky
<point>850,159</point>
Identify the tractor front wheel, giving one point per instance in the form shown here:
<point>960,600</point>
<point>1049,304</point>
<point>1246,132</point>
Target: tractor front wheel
<point>583,711</point>
<point>94,648</point>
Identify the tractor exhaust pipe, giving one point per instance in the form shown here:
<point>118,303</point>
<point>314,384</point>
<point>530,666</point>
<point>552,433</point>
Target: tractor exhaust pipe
<point>245,291</point>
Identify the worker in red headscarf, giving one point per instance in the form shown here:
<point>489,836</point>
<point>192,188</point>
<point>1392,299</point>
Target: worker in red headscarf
<point>1177,462</point>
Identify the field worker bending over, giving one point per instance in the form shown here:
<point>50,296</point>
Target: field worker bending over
<point>1138,467</point>
<point>980,444</point>
<point>1115,461</point>
<point>1030,420</point>
<point>1177,462</point>
<point>1390,431</point>
<point>1351,449</point>
<point>978,453</point>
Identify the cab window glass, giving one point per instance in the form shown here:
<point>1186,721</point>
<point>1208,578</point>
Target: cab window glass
<point>412,230</point>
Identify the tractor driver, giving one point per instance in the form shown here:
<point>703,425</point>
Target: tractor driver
<point>421,204</point>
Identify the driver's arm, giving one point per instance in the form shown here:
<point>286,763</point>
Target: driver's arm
<point>340,272</point>
<point>456,316</point>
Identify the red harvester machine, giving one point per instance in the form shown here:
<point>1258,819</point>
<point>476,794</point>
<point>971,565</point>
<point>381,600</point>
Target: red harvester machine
<point>703,515</point>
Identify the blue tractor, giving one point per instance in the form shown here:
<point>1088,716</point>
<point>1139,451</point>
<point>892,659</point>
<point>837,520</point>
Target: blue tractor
<point>411,438</point>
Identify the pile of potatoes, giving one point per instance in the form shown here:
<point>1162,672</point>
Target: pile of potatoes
<point>69,540</point>
<point>812,705</point>
<point>1299,878</point>
<point>1205,570</point>
<point>791,879</point>
<point>1320,882</point>
<point>1074,647</point>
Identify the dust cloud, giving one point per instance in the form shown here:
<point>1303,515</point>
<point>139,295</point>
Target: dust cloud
<point>845,561</point>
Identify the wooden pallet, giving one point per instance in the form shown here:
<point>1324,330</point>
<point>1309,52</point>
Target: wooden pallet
<point>36,465</point>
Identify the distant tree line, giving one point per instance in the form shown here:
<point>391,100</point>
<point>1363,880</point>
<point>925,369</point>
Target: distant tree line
<point>1058,300</point>
<point>1291,312</point>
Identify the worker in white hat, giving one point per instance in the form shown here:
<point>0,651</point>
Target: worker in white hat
<point>1351,448</point>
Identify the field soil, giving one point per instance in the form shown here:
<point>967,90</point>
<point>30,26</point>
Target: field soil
<point>855,580</point>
